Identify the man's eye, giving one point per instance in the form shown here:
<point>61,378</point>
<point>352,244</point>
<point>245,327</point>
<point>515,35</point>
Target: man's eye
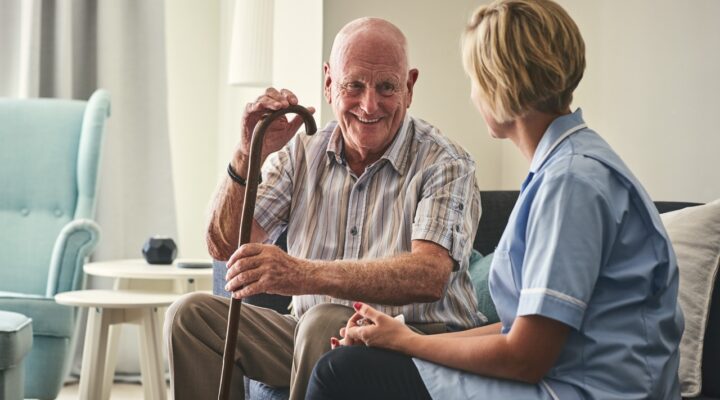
<point>386,89</point>
<point>353,87</point>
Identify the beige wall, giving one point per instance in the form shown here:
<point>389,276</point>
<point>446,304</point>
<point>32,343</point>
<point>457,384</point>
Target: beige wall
<point>652,89</point>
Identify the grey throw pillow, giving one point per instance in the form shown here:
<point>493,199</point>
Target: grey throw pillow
<point>695,236</point>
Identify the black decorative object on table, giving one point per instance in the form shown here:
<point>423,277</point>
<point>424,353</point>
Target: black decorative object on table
<point>159,250</point>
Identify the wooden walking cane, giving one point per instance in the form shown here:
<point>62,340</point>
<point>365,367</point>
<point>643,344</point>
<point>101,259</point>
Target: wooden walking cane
<point>253,179</point>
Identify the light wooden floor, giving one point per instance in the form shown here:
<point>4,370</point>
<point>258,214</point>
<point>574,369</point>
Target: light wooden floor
<point>120,391</point>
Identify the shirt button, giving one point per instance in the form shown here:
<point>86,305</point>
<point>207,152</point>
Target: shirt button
<point>360,188</point>
<point>58,212</point>
<point>24,212</point>
<point>457,228</point>
<point>353,231</point>
<point>461,206</point>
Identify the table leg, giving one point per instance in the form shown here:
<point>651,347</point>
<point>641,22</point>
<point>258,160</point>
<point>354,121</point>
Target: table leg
<point>94,354</point>
<point>111,361</point>
<point>151,361</point>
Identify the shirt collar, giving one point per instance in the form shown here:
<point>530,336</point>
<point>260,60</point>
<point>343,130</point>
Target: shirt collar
<point>396,153</point>
<point>559,130</point>
<point>335,146</point>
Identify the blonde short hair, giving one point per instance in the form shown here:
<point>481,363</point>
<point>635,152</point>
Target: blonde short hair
<point>523,55</point>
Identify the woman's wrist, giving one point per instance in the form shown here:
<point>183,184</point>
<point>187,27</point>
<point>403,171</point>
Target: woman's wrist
<point>407,342</point>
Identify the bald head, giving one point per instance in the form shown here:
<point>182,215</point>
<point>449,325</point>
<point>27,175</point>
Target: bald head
<point>373,33</point>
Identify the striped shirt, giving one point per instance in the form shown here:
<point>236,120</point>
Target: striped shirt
<point>422,188</point>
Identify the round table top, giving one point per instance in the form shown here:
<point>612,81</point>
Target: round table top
<point>140,269</point>
<point>115,298</point>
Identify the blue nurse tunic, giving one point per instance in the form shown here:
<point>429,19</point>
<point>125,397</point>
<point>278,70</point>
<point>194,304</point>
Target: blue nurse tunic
<point>585,246</point>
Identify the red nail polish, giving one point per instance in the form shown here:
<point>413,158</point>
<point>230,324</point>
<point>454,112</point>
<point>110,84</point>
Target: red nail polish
<point>357,305</point>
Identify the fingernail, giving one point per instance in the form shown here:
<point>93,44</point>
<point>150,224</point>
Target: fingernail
<point>357,305</point>
<point>227,288</point>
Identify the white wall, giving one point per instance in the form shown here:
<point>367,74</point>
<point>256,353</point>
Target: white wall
<point>297,50</point>
<point>193,57</point>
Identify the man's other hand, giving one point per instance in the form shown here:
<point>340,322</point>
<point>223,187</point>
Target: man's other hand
<point>261,268</point>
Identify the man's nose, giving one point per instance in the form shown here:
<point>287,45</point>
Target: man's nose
<point>369,101</point>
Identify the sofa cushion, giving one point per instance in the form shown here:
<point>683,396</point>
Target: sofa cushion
<point>695,236</point>
<point>479,270</point>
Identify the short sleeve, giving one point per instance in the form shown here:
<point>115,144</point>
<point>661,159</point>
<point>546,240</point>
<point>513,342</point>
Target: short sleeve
<point>569,224</point>
<point>274,195</point>
<point>449,209</point>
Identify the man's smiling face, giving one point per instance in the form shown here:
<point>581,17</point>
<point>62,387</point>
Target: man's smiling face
<point>370,88</point>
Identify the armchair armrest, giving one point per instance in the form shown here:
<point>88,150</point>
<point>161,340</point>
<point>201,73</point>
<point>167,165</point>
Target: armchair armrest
<point>76,241</point>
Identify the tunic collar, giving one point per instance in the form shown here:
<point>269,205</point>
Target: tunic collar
<point>561,128</point>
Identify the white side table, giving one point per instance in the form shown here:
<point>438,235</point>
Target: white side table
<point>111,307</point>
<point>126,270</point>
<point>126,273</point>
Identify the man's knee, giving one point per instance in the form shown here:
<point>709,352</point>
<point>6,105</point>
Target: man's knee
<point>321,322</point>
<point>185,311</point>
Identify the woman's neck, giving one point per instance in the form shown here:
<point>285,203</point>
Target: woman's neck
<point>527,131</point>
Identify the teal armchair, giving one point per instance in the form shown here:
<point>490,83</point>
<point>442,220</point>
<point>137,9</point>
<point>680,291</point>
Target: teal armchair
<point>49,157</point>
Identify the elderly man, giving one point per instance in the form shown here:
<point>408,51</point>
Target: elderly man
<point>379,207</point>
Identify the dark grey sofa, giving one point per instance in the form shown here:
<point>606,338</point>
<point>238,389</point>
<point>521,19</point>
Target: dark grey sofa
<point>496,208</point>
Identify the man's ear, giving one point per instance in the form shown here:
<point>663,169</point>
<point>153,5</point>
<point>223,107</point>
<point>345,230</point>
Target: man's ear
<point>412,78</point>
<point>327,86</point>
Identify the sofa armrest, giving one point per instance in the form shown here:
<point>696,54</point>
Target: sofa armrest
<point>77,239</point>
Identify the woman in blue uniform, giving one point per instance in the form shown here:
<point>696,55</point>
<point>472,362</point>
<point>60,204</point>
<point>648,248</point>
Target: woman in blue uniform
<point>584,278</point>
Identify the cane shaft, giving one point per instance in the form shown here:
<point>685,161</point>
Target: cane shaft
<point>253,180</point>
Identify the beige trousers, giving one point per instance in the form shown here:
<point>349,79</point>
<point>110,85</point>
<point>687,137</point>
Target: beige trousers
<point>276,349</point>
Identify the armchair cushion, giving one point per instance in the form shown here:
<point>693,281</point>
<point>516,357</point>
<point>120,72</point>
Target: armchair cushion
<point>49,318</point>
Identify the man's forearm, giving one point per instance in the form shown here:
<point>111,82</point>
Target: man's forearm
<point>399,280</point>
<point>225,213</point>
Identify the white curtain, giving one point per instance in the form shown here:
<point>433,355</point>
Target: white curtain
<point>69,48</point>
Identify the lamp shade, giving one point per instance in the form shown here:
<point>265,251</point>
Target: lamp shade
<point>251,44</point>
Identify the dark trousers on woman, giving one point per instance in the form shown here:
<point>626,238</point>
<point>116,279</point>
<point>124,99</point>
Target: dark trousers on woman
<point>359,372</point>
